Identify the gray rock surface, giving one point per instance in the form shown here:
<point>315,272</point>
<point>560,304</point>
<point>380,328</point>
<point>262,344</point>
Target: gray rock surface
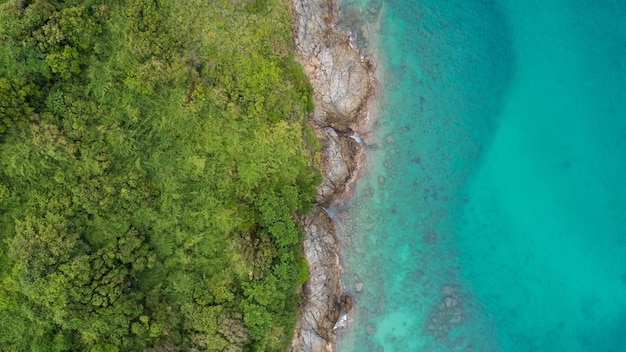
<point>339,76</point>
<point>339,161</point>
<point>342,82</point>
<point>321,293</point>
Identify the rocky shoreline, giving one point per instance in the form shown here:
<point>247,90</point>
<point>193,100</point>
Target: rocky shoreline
<point>343,84</point>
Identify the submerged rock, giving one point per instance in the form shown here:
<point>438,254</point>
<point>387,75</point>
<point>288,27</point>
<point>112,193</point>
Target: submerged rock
<point>448,290</point>
<point>450,302</point>
<point>447,313</point>
<point>358,286</point>
<point>370,329</point>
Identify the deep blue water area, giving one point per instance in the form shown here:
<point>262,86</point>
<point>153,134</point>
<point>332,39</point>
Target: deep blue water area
<point>492,214</point>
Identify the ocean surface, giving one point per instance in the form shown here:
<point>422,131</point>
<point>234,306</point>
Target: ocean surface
<point>492,213</point>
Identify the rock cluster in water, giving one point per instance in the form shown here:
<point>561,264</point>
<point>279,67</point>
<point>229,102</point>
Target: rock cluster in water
<point>342,83</point>
<point>448,313</point>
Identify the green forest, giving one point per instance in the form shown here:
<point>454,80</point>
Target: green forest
<point>154,155</point>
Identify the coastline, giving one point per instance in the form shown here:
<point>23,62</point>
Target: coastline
<point>343,87</point>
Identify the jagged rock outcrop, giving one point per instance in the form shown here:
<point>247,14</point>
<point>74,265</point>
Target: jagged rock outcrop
<point>340,77</point>
<point>339,160</point>
<point>321,293</point>
<point>342,84</point>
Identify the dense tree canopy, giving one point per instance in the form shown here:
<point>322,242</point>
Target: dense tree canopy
<point>153,154</point>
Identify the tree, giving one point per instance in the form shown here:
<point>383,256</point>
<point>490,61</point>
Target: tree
<point>152,158</point>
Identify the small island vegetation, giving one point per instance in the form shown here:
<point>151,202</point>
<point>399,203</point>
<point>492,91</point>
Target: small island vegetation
<point>153,157</point>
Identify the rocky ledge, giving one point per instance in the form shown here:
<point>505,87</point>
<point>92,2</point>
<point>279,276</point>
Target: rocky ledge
<point>342,83</point>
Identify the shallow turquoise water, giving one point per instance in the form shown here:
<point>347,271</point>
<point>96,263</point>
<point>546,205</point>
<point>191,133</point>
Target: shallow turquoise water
<point>492,216</point>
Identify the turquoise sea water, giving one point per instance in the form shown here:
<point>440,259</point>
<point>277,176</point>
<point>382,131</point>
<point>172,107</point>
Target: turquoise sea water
<point>492,214</point>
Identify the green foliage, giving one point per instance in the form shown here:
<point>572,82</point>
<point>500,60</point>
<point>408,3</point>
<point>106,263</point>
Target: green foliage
<point>152,157</point>
<point>15,106</point>
<point>303,273</point>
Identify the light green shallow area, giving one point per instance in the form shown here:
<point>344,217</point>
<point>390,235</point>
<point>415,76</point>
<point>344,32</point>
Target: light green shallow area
<point>491,216</point>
